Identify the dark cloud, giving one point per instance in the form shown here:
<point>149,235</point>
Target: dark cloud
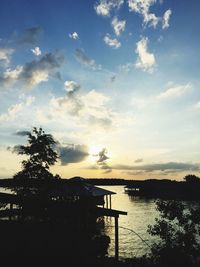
<point>39,70</point>
<point>72,153</point>
<point>57,75</point>
<point>92,167</point>
<point>102,161</point>
<point>102,156</point>
<point>104,166</point>
<point>84,59</point>
<point>138,160</point>
<point>34,72</point>
<point>169,171</point>
<point>22,133</point>
<point>30,36</point>
<point>113,78</point>
<point>135,173</point>
<point>5,81</point>
<point>179,166</point>
<point>51,61</point>
<point>71,103</point>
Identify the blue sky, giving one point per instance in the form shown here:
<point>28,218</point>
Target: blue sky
<point>115,81</point>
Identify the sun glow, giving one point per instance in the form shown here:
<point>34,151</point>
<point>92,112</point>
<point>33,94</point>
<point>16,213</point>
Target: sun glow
<point>94,151</point>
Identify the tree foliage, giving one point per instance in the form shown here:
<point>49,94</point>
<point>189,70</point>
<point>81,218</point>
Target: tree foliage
<point>191,178</point>
<point>40,156</point>
<point>178,230</point>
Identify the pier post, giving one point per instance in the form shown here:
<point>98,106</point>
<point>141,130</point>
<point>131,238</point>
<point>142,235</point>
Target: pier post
<point>11,208</point>
<point>110,202</point>
<point>106,201</point>
<point>116,238</point>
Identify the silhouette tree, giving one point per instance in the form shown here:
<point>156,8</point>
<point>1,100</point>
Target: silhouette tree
<point>41,154</point>
<point>178,229</point>
<point>191,178</point>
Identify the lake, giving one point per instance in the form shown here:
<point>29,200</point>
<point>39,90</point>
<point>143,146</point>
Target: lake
<point>141,213</point>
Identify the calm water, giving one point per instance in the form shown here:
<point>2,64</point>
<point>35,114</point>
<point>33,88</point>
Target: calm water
<point>141,213</point>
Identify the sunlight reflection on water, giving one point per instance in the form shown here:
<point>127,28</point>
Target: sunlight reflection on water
<point>141,213</point>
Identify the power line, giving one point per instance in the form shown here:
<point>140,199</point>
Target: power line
<point>135,234</point>
<point>132,232</point>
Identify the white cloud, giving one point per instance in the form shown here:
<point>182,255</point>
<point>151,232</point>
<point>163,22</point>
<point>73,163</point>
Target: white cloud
<point>13,74</point>
<point>36,51</point>
<point>74,36</point>
<point>142,7</point>
<point>166,17</point>
<point>37,77</point>
<point>111,42</point>
<point>10,76</point>
<point>82,110</point>
<point>118,25</point>
<point>175,91</point>
<point>104,7</point>
<point>146,60</point>
<point>71,86</point>
<point>95,99</point>
<point>5,54</point>
<point>15,109</point>
<point>151,19</point>
<point>171,93</point>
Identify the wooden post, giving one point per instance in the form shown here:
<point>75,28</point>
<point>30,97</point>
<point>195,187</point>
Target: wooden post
<point>106,201</point>
<point>110,202</point>
<point>11,208</point>
<point>116,238</point>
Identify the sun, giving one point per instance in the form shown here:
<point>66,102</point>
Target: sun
<point>94,151</point>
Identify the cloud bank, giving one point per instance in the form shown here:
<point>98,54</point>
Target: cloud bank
<point>168,166</point>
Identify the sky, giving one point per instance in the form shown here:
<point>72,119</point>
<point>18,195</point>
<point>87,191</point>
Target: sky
<point>116,82</point>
